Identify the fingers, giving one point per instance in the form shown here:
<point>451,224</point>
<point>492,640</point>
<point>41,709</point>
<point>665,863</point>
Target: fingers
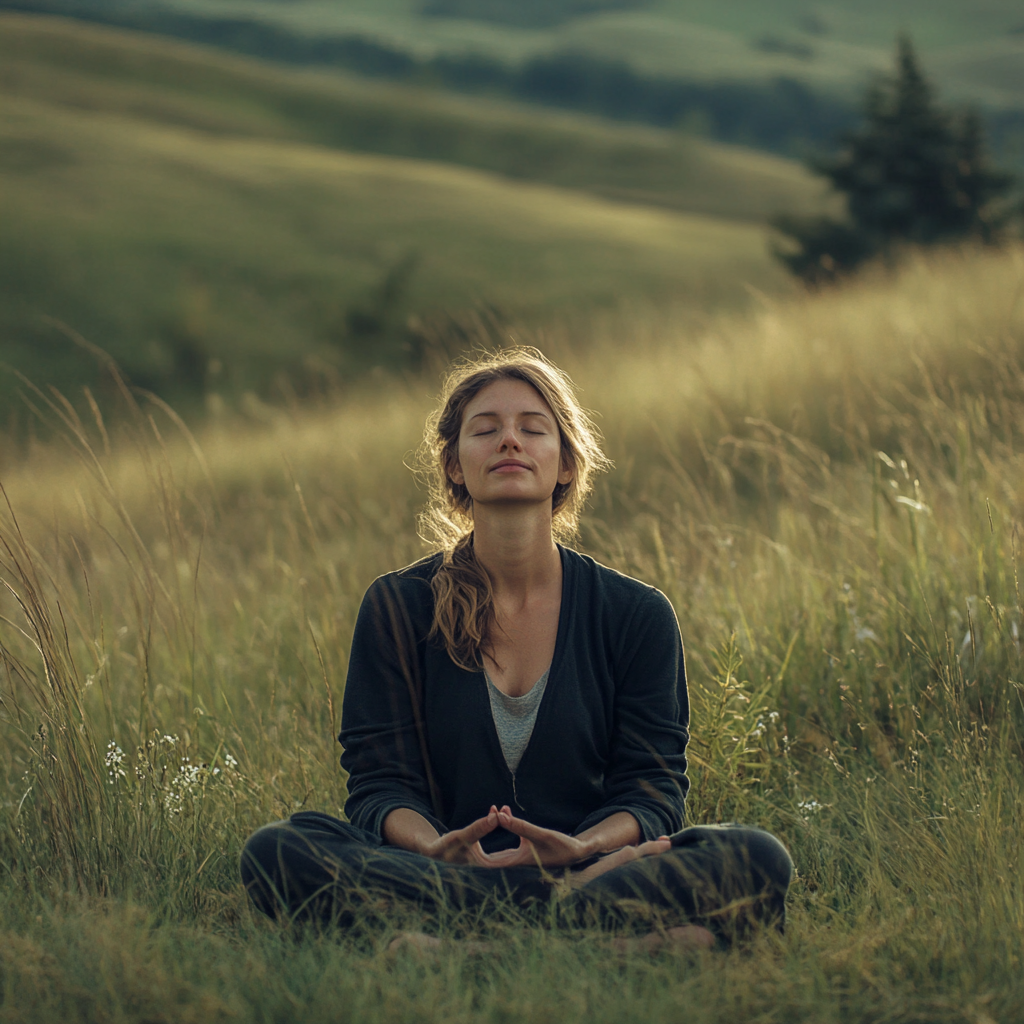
<point>476,830</point>
<point>457,846</point>
<point>524,853</point>
<point>654,847</point>
<point>626,855</point>
<point>521,827</point>
<point>613,860</point>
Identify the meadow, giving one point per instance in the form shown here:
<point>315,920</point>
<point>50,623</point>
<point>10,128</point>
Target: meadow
<point>185,209</point>
<point>827,487</point>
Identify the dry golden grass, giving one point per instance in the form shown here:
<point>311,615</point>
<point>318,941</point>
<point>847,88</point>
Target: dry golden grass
<point>829,492</point>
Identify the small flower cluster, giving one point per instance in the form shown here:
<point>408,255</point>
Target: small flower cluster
<point>115,763</point>
<point>809,807</point>
<point>761,724</point>
<point>191,779</point>
<point>173,785</point>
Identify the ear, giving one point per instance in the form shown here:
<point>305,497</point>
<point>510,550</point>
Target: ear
<point>566,471</point>
<point>455,474</point>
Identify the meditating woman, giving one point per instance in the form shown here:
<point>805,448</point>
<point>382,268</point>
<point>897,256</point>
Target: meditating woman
<point>515,717</point>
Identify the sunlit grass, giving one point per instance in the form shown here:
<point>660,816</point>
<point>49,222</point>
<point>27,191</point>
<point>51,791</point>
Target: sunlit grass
<point>829,492</point>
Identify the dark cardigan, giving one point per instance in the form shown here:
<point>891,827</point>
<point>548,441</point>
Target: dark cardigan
<point>611,730</point>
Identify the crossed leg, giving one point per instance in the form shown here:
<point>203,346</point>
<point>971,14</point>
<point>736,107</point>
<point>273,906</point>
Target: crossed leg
<point>717,882</point>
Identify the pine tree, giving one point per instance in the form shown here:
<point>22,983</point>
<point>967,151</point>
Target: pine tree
<point>911,174</point>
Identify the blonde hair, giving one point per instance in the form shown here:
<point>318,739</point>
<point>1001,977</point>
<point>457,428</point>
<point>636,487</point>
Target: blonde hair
<point>463,596</point>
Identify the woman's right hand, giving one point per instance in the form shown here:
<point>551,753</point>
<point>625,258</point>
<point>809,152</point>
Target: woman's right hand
<point>462,846</point>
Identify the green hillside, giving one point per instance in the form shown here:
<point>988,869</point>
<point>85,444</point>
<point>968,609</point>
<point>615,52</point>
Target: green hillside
<point>831,45</point>
<point>83,67</point>
<point>161,202</point>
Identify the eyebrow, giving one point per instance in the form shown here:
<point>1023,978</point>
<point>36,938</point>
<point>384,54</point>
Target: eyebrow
<point>495,415</point>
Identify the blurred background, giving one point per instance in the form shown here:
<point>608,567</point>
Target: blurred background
<point>250,203</point>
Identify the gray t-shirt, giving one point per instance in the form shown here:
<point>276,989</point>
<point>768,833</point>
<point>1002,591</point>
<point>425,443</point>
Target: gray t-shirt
<point>514,718</point>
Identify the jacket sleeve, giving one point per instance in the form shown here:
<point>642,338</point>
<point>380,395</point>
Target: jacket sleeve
<point>381,718</point>
<point>646,773</point>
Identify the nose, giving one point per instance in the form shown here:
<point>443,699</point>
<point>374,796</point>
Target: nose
<point>508,439</point>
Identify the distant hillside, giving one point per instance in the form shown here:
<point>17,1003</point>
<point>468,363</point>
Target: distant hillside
<point>163,203</point>
<point>830,46</point>
<point>69,64</point>
<point>525,13</point>
<point>777,75</point>
<point>780,115</point>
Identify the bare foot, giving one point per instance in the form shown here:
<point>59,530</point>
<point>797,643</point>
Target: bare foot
<point>416,941</point>
<point>429,945</point>
<point>685,937</point>
<point>690,936</point>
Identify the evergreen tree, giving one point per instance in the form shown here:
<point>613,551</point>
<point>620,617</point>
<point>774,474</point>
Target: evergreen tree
<point>912,173</point>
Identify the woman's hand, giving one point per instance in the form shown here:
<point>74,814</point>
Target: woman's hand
<point>462,846</point>
<point>652,848</point>
<point>541,847</point>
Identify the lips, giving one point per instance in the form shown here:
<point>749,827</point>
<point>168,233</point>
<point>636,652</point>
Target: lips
<point>509,464</point>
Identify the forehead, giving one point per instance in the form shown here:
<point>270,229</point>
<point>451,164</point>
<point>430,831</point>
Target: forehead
<point>504,397</point>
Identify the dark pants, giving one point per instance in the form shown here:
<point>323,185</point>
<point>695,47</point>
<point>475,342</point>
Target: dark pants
<point>315,867</point>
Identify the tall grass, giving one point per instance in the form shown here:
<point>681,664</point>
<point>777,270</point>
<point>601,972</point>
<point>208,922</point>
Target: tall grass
<point>829,493</point>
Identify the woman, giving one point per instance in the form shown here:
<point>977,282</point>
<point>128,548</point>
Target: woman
<point>515,717</point>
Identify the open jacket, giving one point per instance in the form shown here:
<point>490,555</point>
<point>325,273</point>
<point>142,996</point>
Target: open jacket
<point>611,730</point>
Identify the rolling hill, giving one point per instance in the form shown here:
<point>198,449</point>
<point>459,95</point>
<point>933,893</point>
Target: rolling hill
<point>975,49</point>
<point>209,222</point>
<point>82,67</point>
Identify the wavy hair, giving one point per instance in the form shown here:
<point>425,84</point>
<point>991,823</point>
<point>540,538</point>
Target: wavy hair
<point>463,594</point>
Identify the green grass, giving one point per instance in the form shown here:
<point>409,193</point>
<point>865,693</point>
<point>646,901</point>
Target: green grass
<point>828,491</point>
<point>84,68</point>
<point>150,239</point>
<point>183,210</point>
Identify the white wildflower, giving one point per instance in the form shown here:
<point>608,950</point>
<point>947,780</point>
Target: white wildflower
<point>189,779</point>
<point>115,763</point>
<point>809,807</point>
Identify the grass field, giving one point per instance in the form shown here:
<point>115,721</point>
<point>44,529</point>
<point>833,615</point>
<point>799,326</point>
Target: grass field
<point>827,488</point>
<point>968,46</point>
<point>84,68</point>
<point>181,209</point>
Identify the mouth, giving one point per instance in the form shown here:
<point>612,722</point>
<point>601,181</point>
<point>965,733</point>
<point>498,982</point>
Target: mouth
<point>508,465</point>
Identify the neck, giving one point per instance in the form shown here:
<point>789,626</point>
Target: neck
<point>516,548</point>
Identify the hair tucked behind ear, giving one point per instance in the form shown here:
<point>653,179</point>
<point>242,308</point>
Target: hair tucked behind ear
<point>463,595</point>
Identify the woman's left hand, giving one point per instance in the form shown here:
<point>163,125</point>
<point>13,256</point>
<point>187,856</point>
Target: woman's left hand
<point>538,846</point>
<point>652,848</point>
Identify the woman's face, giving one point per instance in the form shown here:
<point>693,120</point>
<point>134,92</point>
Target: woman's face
<point>510,451</point>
